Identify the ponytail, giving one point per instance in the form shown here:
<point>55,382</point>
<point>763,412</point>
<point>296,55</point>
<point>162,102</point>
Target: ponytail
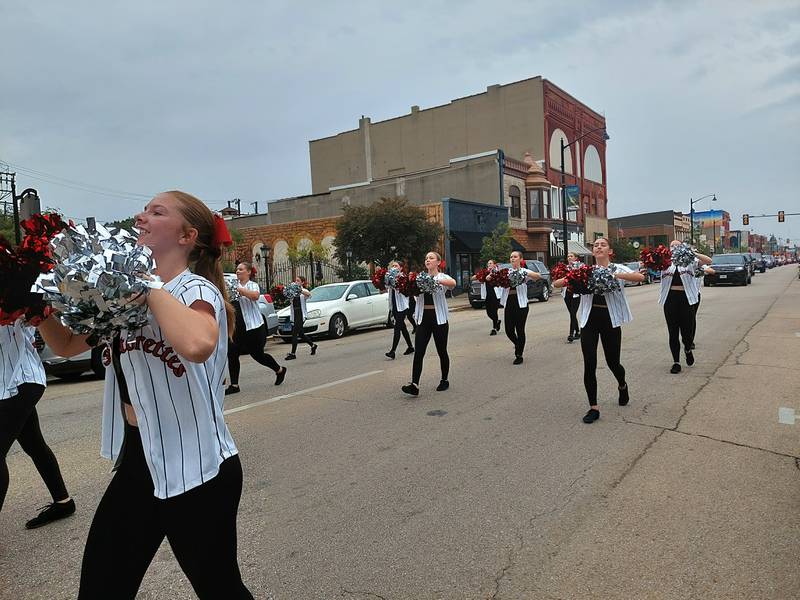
<point>205,258</point>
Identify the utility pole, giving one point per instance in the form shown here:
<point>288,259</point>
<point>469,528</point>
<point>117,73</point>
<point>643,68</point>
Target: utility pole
<point>8,184</point>
<point>255,206</point>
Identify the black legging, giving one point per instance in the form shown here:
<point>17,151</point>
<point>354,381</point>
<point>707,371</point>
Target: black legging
<point>516,318</point>
<point>249,342</point>
<point>425,329</point>
<point>694,318</point>
<point>130,524</point>
<point>492,305</point>
<point>297,331</point>
<point>19,421</point>
<point>400,317</point>
<point>572,306</point>
<point>679,316</point>
<point>599,327</point>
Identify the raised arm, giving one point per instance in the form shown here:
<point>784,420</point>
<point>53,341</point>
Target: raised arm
<point>305,292</point>
<point>559,283</point>
<point>704,260</point>
<point>248,293</point>
<point>447,281</point>
<point>633,276</point>
<point>192,330</point>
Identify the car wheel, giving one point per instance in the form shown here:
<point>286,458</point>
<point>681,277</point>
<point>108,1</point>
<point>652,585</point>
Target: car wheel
<point>390,321</point>
<point>545,295</point>
<point>337,327</point>
<point>98,368</point>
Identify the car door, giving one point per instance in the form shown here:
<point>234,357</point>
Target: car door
<point>359,309</point>
<point>534,286</point>
<point>379,302</point>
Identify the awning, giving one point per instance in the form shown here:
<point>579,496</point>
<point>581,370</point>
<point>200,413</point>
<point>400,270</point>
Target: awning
<point>515,245</point>
<point>572,246</point>
<point>468,241</point>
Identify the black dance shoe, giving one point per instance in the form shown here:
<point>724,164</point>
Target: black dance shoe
<point>411,389</point>
<point>624,398</point>
<point>497,325</point>
<point>290,356</point>
<point>591,416</point>
<point>570,339</point>
<point>52,512</point>
<point>689,358</point>
<point>232,389</point>
<point>443,385</point>
<point>676,368</point>
<point>390,354</point>
<point>313,349</point>
<point>409,350</point>
<point>493,332</point>
<point>518,360</point>
<point>280,376</point>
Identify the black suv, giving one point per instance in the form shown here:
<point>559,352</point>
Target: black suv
<point>539,289</point>
<point>729,268</point>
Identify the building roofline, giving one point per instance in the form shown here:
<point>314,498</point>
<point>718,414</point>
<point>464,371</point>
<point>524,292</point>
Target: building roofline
<point>575,100</point>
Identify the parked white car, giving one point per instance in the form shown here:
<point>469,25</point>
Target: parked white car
<point>335,308</point>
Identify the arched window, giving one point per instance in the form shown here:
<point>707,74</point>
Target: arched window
<point>516,211</point>
<point>555,152</point>
<point>592,169</point>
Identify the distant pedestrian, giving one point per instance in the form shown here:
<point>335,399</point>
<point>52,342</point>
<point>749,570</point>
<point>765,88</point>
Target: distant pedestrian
<point>399,305</point>
<point>490,294</point>
<point>298,315</point>
<point>515,304</point>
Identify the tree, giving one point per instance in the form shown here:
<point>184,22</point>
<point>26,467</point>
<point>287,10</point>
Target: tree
<point>385,230</point>
<point>304,255</point>
<point>624,251</point>
<point>497,245</point>
<point>123,223</point>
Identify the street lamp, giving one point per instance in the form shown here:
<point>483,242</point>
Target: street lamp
<point>691,213</point>
<point>265,251</point>
<point>349,254</point>
<point>563,180</point>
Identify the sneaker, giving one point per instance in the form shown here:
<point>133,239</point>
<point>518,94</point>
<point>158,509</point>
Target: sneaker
<point>689,358</point>
<point>232,389</point>
<point>390,354</point>
<point>676,368</point>
<point>497,325</point>
<point>313,349</point>
<point>591,416</point>
<point>409,350</point>
<point>280,376</point>
<point>624,398</point>
<point>518,360</point>
<point>493,332</point>
<point>411,389</point>
<point>290,356</point>
<point>51,512</point>
<point>570,339</point>
<point>443,385</point>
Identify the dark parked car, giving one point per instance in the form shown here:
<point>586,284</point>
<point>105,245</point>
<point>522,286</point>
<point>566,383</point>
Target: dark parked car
<point>729,268</point>
<point>540,289</point>
<point>751,263</point>
<point>761,262</point>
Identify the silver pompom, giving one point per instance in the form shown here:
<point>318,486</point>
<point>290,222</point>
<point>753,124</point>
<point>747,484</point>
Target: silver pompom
<point>292,290</point>
<point>682,255</point>
<point>390,278</point>
<point>232,284</point>
<point>426,283</point>
<point>516,277</point>
<point>100,281</point>
<point>602,280</point>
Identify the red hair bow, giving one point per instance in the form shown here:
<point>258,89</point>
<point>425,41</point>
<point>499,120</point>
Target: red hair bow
<point>522,263</point>
<point>442,265</point>
<point>222,236</point>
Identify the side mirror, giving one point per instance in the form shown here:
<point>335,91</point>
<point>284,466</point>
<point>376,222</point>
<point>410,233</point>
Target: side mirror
<point>352,296</point>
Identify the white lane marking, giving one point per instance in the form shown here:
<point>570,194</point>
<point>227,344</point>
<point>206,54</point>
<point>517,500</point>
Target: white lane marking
<point>230,411</point>
<point>786,416</point>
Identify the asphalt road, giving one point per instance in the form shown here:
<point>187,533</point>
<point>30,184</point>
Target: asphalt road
<point>353,490</point>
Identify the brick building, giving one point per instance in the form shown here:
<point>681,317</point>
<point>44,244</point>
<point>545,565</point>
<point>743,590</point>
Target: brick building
<point>650,229</point>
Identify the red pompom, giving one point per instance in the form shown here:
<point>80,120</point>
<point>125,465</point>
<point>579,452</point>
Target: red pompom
<point>500,278</point>
<point>481,274</point>
<point>578,279</point>
<point>657,259</point>
<point>378,278</point>
<point>559,271</point>
<point>522,263</point>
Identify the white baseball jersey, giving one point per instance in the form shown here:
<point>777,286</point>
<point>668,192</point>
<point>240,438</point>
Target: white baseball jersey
<point>178,403</point>
<point>250,312</point>
<point>400,301</point>
<point>439,303</point>
<point>303,308</point>
<point>522,291</point>
<point>691,284</point>
<point>19,361</point>
<point>618,308</point>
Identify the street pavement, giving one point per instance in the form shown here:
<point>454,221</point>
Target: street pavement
<point>494,488</point>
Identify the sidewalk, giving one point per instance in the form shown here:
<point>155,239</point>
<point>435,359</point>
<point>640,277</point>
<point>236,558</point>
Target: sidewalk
<point>711,509</point>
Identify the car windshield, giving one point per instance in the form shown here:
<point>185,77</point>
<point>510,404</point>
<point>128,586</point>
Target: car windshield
<point>633,266</point>
<point>727,259</point>
<point>327,292</point>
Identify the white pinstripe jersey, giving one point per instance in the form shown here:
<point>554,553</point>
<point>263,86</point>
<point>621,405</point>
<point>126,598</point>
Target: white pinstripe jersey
<point>20,361</point>
<point>178,403</point>
<point>250,312</point>
<point>439,303</point>
<point>522,291</point>
<point>618,308</point>
<point>691,284</point>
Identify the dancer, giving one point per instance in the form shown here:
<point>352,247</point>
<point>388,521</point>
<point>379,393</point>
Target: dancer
<point>680,291</point>
<point>490,294</point>
<point>515,304</point>
<point>250,332</point>
<point>431,318</point>
<point>700,274</point>
<point>23,383</point>
<point>600,317</point>
<point>400,310</point>
<point>298,316</point>
<point>572,301</point>
<point>177,472</point>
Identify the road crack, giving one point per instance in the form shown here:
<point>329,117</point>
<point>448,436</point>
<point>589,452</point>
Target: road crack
<point>360,593</point>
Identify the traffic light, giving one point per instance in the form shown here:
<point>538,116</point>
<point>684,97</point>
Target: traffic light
<point>781,217</point>
<point>745,219</point>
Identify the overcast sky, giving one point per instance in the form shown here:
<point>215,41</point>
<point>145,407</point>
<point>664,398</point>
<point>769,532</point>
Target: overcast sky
<point>220,99</point>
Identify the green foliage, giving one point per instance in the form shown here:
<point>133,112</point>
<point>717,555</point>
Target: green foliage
<point>497,245</point>
<point>303,256</point>
<point>703,248</point>
<point>7,227</point>
<point>123,223</point>
<point>624,251</point>
<point>370,232</point>
<point>357,271</point>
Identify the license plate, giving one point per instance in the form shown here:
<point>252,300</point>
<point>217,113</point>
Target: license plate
<point>286,328</point>
<point>723,276</point>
